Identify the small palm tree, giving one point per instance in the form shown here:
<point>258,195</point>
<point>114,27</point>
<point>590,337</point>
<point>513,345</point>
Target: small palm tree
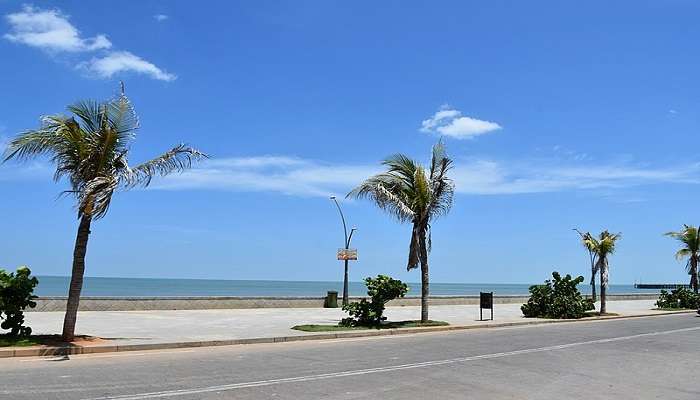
<point>602,246</point>
<point>91,149</point>
<point>588,244</point>
<point>690,240</point>
<point>411,194</point>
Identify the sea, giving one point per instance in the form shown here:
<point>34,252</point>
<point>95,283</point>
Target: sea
<point>153,287</point>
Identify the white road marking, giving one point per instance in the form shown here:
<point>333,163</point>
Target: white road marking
<point>308,378</point>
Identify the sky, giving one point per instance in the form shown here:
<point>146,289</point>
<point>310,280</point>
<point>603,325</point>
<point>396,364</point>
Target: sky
<point>558,115</point>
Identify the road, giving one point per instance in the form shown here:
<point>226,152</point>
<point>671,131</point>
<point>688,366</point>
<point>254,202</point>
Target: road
<point>640,358</point>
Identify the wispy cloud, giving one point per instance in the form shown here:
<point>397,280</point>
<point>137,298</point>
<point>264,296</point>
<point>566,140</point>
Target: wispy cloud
<point>450,122</point>
<point>122,61</point>
<point>296,176</point>
<point>4,141</point>
<point>51,31</point>
<point>160,17</point>
<point>485,177</point>
<point>281,174</point>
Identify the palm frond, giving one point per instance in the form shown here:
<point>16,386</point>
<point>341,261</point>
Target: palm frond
<point>177,159</point>
<point>96,196</point>
<point>89,113</point>
<point>91,150</point>
<point>386,194</point>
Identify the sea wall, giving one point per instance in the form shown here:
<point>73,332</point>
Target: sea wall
<point>206,303</point>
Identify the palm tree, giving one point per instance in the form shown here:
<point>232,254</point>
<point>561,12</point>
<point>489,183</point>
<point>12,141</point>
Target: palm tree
<point>411,194</point>
<point>602,247</point>
<point>588,244</point>
<point>690,239</point>
<point>91,149</point>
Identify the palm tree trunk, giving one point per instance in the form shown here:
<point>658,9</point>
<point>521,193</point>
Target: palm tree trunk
<point>425,278</point>
<point>593,270</point>
<point>76,280</point>
<point>603,286</point>
<point>694,274</point>
<point>425,292</point>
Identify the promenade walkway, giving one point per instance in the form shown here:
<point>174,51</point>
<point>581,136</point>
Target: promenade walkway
<point>141,327</point>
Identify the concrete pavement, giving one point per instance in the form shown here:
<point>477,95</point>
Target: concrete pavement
<point>640,358</point>
<point>146,327</point>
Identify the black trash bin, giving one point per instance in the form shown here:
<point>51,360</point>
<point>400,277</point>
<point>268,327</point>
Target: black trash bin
<point>331,299</point>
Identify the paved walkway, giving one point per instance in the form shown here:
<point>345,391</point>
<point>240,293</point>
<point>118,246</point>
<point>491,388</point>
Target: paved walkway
<point>136,327</point>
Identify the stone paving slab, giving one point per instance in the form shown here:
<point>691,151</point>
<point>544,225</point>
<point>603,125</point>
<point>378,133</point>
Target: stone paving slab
<point>142,327</point>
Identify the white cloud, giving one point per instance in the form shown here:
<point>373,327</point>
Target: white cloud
<point>123,61</point>
<point>450,122</point>
<point>296,176</point>
<point>160,17</point>
<point>50,30</point>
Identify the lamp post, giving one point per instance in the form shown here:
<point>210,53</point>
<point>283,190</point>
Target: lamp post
<point>348,237</point>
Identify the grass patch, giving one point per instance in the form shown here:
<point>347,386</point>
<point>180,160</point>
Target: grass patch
<point>597,314</point>
<point>674,309</point>
<point>386,325</point>
<point>7,341</point>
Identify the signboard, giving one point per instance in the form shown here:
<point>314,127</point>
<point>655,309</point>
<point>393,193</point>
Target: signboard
<point>347,254</point>
<point>485,301</point>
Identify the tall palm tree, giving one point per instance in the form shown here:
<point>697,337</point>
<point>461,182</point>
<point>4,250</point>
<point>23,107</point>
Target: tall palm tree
<point>91,149</point>
<point>410,193</point>
<point>588,244</point>
<point>690,239</point>
<point>602,246</point>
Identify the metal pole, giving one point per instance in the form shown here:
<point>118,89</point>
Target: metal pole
<point>347,246</point>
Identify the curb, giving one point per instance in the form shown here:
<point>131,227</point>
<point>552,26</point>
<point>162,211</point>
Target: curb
<point>73,350</point>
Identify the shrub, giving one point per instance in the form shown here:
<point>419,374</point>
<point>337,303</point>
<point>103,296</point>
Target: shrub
<point>678,298</point>
<point>381,290</point>
<point>557,298</point>
<point>16,294</point>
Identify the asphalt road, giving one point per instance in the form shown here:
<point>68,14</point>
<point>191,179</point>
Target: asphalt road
<point>641,358</point>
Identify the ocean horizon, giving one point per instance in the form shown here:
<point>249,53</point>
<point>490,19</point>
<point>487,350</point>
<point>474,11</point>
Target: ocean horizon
<point>164,287</point>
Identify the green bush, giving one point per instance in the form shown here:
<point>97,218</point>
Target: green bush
<point>16,294</point>
<point>381,290</point>
<point>678,298</point>
<point>557,298</point>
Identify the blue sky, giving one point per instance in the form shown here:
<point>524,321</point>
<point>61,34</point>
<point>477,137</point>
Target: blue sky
<point>557,115</point>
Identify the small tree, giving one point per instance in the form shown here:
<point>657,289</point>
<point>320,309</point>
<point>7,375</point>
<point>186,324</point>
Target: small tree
<point>16,294</point>
<point>381,290</point>
<point>588,244</point>
<point>91,149</point>
<point>690,241</point>
<point>415,194</point>
<point>603,246</point>
<point>557,298</point>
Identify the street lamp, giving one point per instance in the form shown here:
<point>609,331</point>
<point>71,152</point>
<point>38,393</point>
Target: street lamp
<point>348,238</point>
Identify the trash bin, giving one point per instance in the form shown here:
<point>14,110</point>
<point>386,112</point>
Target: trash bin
<point>331,299</point>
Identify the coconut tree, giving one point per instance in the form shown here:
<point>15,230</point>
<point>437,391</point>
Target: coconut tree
<point>90,149</point>
<point>603,246</point>
<point>412,193</point>
<point>690,242</point>
<point>586,240</point>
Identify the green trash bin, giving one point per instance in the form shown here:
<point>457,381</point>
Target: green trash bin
<point>331,299</point>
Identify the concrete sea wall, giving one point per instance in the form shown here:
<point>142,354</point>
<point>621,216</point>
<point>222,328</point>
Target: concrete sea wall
<point>210,303</point>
